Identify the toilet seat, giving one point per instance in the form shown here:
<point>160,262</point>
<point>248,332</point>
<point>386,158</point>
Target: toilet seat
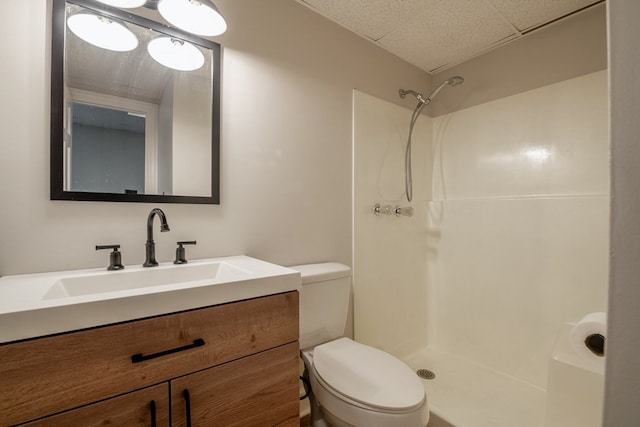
<point>368,376</point>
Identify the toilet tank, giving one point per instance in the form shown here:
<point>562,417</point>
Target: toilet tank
<point>324,302</point>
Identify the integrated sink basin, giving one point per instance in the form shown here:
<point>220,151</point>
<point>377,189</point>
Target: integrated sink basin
<point>34,305</point>
<point>208,272</point>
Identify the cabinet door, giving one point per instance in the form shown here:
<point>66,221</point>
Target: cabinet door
<point>148,407</point>
<point>258,390</point>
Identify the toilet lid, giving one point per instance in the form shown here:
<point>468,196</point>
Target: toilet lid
<point>368,375</point>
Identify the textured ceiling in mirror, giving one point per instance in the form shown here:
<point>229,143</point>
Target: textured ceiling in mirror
<point>133,75</point>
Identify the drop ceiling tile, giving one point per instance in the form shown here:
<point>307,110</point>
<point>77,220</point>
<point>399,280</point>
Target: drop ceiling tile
<point>448,33</point>
<point>527,14</point>
<point>370,18</point>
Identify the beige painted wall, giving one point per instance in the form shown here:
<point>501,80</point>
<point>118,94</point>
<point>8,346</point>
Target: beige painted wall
<point>288,77</point>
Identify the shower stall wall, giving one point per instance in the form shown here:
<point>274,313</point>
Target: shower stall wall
<point>389,250</point>
<point>509,243</point>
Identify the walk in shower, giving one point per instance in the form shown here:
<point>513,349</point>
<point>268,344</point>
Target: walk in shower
<point>507,247</point>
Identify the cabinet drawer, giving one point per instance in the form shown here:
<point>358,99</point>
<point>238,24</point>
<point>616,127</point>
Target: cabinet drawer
<point>131,410</point>
<point>52,374</point>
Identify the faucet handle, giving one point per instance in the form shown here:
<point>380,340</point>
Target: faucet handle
<point>181,254</point>
<point>115,257</point>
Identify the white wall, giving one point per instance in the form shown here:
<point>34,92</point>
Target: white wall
<point>288,77</point>
<point>622,374</point>
<point>390,301</point>
<point>519,224</point>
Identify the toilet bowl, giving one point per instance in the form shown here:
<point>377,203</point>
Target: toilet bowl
<point>352,384</point>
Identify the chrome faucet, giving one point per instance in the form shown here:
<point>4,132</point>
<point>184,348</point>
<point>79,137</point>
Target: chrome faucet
<point>150,246</point>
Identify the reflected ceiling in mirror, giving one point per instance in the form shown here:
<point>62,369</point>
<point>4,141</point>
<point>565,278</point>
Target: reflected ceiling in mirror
<point>132,125</point>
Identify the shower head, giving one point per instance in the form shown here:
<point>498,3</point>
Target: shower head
<point>451,81</point>
<point>454,81</point>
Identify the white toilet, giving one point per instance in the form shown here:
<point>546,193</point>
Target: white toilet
<point>352,384</point>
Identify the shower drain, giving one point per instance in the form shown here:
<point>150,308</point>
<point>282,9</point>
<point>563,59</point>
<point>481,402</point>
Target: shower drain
<point>426,374</point>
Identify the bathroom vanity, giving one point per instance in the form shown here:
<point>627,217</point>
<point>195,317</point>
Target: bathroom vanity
<point>229,363</point>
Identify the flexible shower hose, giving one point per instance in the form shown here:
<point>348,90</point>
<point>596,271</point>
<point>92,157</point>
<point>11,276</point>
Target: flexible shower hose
<point>408,179</point>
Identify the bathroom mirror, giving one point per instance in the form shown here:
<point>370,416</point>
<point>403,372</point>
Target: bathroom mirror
<point>127,126</point>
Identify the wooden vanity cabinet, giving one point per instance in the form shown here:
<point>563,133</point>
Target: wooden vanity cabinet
<point>238,362</point>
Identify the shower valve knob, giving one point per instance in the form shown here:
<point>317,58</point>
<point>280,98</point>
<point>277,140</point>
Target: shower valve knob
<point>386,209</point>
<point>408,211</point>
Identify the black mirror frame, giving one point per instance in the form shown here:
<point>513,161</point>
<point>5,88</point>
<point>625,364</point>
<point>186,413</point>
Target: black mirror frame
<point>58,27</point>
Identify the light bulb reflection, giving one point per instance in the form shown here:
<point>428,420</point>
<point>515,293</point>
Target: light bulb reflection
<point>124,4</point>
<point>175,54</point>
<point>102,32</point>
<point>197,17</point>
<point>537,154</point>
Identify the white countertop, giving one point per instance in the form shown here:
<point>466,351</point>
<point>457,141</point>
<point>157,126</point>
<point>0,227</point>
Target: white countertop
<point>32,305</point>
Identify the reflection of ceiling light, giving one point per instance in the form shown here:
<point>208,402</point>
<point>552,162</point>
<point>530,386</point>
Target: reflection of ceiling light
<point>125,4</point>
<point>102,32</point>
<point>196,16</point>
<point>176,54</point>
<point>537,154</point>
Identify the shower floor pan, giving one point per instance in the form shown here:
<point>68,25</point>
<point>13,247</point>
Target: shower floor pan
<point>464,394</point>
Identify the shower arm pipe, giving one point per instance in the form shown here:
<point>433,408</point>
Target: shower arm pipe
<point>452,81</point>
<point>418,96</point>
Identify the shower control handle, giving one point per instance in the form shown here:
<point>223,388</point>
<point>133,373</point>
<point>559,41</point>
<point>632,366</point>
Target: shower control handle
<point>379,209</point>
<point>406,211</point>
<point>386,209</point>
